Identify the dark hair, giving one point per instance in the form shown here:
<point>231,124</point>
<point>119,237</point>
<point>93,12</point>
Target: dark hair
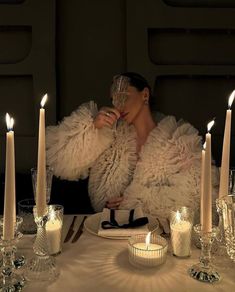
<point>138,81</point>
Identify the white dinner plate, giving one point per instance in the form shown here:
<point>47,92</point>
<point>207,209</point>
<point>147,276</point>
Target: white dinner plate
<point>92,225</point>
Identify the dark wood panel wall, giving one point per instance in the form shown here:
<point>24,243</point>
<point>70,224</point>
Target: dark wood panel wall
<point>185,48</point>
<point>27,71</point>
<point>71,49</point>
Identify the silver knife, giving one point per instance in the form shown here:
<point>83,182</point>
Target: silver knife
<point>70,231</point>
<point>80,230</point>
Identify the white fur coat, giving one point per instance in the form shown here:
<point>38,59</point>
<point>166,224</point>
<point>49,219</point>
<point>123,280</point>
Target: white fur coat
<point>165,174</point>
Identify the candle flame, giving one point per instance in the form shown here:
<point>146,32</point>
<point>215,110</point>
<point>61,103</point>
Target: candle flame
<point>9,122</point>
<point>178,216</point>
<point>147,239</point>
<point>210,125</point>
<point>231,98</point>
<point>44,99</point>
<point>204,146</point>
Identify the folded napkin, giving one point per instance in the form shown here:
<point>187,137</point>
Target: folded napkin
<point>120,223</point>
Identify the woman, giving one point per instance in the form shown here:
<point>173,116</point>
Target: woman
<point>130,155</point>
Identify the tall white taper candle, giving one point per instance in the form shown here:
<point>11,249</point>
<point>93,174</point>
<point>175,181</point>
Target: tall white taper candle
<point>207,195</point>
<point>202,181</point>
<point>9,216</point>
<point>224,170</point>
<point>41,166</point>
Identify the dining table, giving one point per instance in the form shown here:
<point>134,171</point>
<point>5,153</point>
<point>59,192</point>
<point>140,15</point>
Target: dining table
<point>94,263</point>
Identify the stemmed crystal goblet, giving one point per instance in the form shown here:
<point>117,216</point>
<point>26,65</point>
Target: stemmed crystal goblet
<point>119,93</point>
<point>49,176</point>
<point>228,212</point>
<point>220,203</point>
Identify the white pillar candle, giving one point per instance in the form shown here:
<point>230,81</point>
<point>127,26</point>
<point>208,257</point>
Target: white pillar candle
<point>9,216</point>
<point>202,181</point>
<point>207,196</point>
<point>181,236</point>
<point>54,233</point>
<point>224,170</point>
<point>41,165</point>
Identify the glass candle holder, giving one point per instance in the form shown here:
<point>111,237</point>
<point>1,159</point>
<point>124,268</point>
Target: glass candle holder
<point>204,270</point>
<point>142,254</point>
<point>19,259</point>
<point>41,267</point>
<point>9,279</point>
<point>181,222</point>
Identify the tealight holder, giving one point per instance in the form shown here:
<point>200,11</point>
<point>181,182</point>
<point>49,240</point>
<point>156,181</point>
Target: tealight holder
<point>204,271</point>
<point>147,255</point>
<point>9,279</point>
<point>42,266</point>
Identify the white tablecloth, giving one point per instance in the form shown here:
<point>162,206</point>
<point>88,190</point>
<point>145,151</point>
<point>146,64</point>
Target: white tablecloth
<point>97,264</point>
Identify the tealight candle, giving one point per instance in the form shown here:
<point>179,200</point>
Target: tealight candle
<point>181,228</point>
<point>143,253</point>
<point>54,229</point>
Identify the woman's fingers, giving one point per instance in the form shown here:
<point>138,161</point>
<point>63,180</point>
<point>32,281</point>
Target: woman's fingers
<point>114,203</point>
<point>115,112</point>
<point>111,111</point>
<point>102,120</point>
<point>116,200</point>
<point>106,117</point>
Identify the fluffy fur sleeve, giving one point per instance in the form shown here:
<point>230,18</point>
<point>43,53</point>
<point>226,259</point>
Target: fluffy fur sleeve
<point>113,170</point>
<point>75,143</point>
<point>169,171</point>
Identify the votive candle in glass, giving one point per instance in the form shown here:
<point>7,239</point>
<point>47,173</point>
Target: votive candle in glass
<point>147,251</point>
<point>181,222</point>
<point>54,229</point>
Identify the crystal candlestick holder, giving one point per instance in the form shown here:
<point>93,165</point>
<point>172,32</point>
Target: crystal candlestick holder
<point>10,281</point>
<point>41,267</point>
<point>204,271</point>
<point>19,260</point>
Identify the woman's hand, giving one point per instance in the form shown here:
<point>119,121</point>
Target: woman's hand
<point>114,203</point>
<point>107,116</point>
